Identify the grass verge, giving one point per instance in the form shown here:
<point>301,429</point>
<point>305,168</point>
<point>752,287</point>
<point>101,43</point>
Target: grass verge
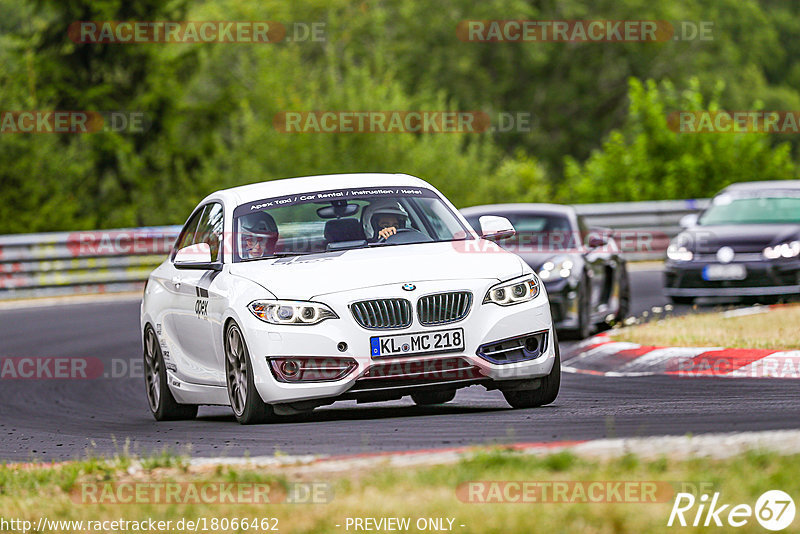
<point>770,328</point>
<point>430,492</point>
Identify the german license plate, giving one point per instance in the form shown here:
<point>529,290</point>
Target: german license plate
<point>420,343</point>
<point>724,272</point>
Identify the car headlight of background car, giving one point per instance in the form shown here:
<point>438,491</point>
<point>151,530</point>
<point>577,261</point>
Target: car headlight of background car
<point>679,253</point>
<point>784,250</point>
<point>554,269</point>
<point>291,312</point>
<point>515,292</point>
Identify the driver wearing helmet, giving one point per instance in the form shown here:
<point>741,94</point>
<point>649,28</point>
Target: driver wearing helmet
<point>259,234</point>
<point>383,218</point>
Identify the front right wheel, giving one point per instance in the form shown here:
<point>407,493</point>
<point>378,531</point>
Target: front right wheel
<point>248,408</point>
<point>163,405</point>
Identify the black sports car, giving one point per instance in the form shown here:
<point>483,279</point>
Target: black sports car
<point>745,244</point>
<point>585,276</point>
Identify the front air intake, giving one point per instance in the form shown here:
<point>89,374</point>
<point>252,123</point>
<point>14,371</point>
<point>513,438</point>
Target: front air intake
<point>515,349</point>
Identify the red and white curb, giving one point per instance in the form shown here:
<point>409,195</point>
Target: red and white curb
<point>602,355</point>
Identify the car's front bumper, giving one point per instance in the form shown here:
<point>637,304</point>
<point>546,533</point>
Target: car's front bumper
<point>485,323</point>
<point>763,278</point>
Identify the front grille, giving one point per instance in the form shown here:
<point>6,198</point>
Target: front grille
<point>738,257</point>
<point>443,308</point>
<point>382,313</point>
<point>693,278</point>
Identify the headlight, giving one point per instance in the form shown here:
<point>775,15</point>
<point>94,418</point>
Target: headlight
<point>551,270</point>
<point>676,253</point>
<point>784,250</point>
<point>291,311</point>
<point>508,293</point>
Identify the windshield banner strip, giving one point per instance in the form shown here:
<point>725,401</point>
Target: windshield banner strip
<point>333,194</point>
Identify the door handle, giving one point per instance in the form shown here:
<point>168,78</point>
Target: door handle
<point>176,281</point>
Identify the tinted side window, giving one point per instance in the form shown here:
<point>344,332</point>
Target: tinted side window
<point>210,229</point>
<point>187,234</point>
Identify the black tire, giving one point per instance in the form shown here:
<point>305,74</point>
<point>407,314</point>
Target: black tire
<point>162,404</point>
<point>246,403</point>
<point>584,328</point>
<point>427,398</point>
<point>546,393</point>
<point>682,300</point>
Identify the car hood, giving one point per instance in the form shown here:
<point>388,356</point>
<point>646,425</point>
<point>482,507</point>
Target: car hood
<point>740,237</point>
<point>310,276</point>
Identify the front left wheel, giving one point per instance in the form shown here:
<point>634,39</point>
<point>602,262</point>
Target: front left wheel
<point>547,391</point>
<point>163,405</point>
<point>245,401</point>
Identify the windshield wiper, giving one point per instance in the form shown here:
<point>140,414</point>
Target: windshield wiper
<point>347,245</point>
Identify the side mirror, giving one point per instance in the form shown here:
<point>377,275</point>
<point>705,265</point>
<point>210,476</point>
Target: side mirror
<point>496,228</point>
<point>687,221</point>
<point>197,256</point>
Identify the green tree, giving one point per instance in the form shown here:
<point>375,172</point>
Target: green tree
<point>646,160</point>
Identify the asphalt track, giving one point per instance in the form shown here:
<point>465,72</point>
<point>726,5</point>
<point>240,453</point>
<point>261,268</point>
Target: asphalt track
<point>68,419</point>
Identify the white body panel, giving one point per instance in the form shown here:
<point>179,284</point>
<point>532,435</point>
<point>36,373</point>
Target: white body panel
<point>189,309</point>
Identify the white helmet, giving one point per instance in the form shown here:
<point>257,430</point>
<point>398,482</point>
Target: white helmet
<point>381,206</point>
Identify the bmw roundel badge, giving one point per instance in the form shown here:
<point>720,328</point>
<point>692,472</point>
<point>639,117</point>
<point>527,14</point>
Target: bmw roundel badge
<point>409,287</point>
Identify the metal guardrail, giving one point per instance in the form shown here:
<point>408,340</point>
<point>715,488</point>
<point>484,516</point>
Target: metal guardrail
<point>643,229</point>
<point>69,263</point>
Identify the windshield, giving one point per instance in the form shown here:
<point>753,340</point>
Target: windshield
<point>343,219</point>
<point>728,209</point>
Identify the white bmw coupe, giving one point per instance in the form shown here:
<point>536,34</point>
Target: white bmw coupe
<point>287,295</point>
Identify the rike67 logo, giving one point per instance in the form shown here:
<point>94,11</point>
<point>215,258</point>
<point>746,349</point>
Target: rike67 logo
<point>774,510</point>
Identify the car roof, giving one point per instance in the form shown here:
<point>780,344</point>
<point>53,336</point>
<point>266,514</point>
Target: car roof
<point>519,208</point>
<point>308,184</point>
<point>766,184</point>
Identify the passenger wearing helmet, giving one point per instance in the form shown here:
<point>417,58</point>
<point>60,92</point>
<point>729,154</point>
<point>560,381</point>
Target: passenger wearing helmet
<point>259,234</point>
<point>383,218</point>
